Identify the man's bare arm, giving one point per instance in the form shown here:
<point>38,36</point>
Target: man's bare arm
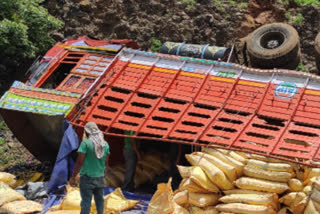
<point>77,167</point>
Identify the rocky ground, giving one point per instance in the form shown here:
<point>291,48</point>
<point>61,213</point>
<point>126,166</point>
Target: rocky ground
<point>218,22</point>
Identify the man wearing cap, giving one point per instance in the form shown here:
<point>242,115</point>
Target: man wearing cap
<point>92,163</point>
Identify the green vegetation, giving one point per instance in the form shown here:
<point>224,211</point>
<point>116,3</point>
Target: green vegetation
<point>24,28</point>
<point>298,20</point>
<point>3,126</point>
<point>301,68</point>
<point>307,2</point>
<point>156,44</point>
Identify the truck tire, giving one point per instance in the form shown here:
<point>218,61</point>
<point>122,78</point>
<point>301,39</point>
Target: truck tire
<point>274,45</point>
<point>317,48</point>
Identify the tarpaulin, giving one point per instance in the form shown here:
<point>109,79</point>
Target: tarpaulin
<point>63,167</point>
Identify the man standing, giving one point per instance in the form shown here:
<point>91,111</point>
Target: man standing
<point>93,156</point>
<point>131,154</point>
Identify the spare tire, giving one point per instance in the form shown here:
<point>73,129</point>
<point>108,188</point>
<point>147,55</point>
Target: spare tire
<point>274,45</point>
<point>317,48</point>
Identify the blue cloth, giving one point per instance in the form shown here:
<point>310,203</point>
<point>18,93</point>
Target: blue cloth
<point>63,167</point>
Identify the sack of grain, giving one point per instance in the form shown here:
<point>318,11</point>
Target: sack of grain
<point>297,201</point>
<point>181,197</point>
<point>7,194</point>
<point>316,205</point>
<point>21,207</point>
<point>116,201</point>
<point>206,210</point>
<point>225,158</point>
<point>245,208</point>
<point>315,195</point>
<point>177,209</point>
<point>295,185</point>
<point>162,200</point>
<point>197,175</point>
<point>65,212</point>
<point>310,173</point>
<point>213,172</point>
<point>307,190</point>
<point>310,209</point>
<point>190,186</point>
<point>278,167</point>
<point>254,199</point>
<point>256,172</point>
<point>245,191</point>
<point>284,210</point>
<point>261,185</point>
<point>227,169</point>
<point>234,155</point>
<point>202,199</point>
<point>7,178</point>
<point>72,199</point>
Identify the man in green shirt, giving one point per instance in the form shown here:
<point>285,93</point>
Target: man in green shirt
<point>93,156</point>
<point>131,155</point>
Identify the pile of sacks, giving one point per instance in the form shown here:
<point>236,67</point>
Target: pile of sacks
<point>147,169</point>
<point>13,202</point>
<point>114,203</point>
<point>221,181</point>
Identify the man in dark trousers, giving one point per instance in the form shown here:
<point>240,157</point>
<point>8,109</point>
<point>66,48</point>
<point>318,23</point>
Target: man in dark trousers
<point>131,156</point>
<point>92,162</point>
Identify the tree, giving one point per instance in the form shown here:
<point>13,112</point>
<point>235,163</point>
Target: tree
<point>25,28</point>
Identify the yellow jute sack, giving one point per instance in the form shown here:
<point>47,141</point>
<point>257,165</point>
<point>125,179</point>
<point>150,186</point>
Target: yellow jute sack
<point>198,176</point>
<point>72,199</point>
<point>162,200</point>
<point>295,185</point>
<point>316,205</point>
<point>7,178</point>
<point>116,201</point>
<point>315,195</point>
<point>310,173</point>
<point>256,172</point>
<point>225,158</point>
<point>7,194</point>
<point>245,208</point>
<point>284,210</point>
<point>21,207</point>
<point>245,191</point>
<point>190,186</point>
<point>213,172</point>
<point>261,185</point>
<point>177,209</point>
<point>202,199</point>
<point>292,197</point>
<point>206,210</point>
<point>310,209</point>
<point>181,197</point>
<point>227,169</point>
<point>64,212</point>
<point>234,155</point>
<point>254,199</point>
<point>297,201</point>
<point>278,167</point>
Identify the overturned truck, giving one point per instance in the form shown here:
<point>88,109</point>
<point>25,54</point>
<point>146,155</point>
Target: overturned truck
<point>164,97</point>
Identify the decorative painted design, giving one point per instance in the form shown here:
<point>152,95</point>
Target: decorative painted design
<point>286,90</point>
<point>20,85</point>
<point>17,102</point>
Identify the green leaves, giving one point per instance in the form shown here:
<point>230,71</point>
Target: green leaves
<point>25,28</point>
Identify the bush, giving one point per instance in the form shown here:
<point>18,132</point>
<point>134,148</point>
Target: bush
<point>25,28</point>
